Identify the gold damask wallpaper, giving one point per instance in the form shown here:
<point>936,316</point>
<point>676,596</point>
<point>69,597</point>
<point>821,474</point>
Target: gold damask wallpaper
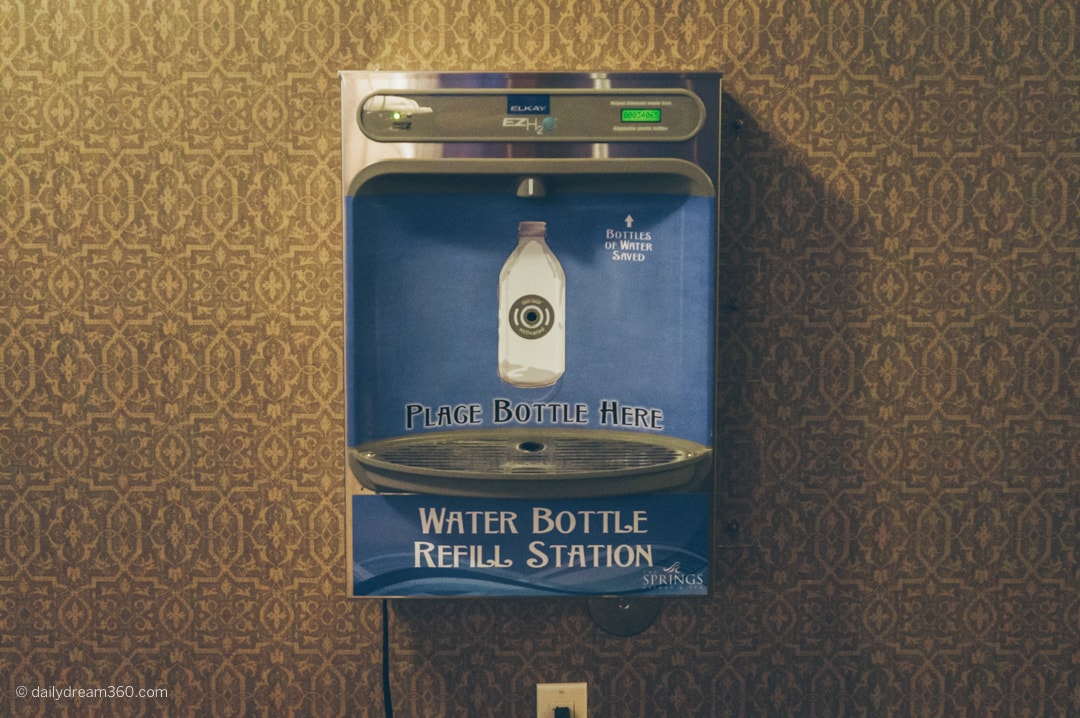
<point>899,513</point>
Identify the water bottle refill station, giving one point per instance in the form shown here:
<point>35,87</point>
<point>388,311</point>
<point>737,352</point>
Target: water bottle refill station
<point>530,302</point>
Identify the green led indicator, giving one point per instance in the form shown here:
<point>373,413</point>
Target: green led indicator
<point>641,114</point>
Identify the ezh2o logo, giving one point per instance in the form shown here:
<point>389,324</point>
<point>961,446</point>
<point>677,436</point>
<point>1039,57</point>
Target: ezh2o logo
<point>524,112</point>
<point>672,577</point>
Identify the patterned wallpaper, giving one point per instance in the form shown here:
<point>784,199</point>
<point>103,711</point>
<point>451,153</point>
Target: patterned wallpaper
<point>899,368</point>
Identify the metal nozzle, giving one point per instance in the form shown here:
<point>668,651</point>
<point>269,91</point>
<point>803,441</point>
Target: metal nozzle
<point>531,187</point>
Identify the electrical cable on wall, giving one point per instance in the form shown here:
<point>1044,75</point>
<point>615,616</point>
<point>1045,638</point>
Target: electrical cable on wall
<point>388,703</point>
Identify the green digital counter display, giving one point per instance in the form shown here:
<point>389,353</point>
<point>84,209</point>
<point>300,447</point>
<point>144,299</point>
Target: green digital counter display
<point>641,114</point>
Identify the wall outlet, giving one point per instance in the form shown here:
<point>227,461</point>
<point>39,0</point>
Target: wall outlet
<point>573,697</point>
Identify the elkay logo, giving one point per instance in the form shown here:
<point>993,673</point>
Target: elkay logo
<point>528,105</point>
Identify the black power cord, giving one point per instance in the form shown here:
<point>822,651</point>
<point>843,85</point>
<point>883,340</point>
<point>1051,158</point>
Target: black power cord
<point>388,703</point>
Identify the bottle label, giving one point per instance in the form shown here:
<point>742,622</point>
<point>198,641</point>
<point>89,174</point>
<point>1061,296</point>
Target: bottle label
<point>531,316</point>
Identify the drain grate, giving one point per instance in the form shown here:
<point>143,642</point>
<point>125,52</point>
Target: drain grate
<point>499,462</point>
<point>495,455</point>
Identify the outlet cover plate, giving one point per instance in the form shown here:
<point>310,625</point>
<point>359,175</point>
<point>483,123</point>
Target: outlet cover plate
<point>574,696</point>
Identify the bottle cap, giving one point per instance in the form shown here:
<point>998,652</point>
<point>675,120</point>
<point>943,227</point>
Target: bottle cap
<point>532,229</point>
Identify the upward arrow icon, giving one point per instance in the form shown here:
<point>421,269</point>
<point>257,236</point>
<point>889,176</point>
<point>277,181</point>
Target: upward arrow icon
<point>629,221</point>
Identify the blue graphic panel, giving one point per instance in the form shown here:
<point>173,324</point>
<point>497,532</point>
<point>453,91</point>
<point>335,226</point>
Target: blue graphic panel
<point>422,280</point>
<point>413,545</point>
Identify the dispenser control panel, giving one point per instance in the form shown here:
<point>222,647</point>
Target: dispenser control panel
<point>531,116</point>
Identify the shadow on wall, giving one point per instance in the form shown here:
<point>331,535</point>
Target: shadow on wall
<point>794,323</point>
<point>799,379</point>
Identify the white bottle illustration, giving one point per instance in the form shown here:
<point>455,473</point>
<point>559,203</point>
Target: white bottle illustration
<point>532,312</point>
